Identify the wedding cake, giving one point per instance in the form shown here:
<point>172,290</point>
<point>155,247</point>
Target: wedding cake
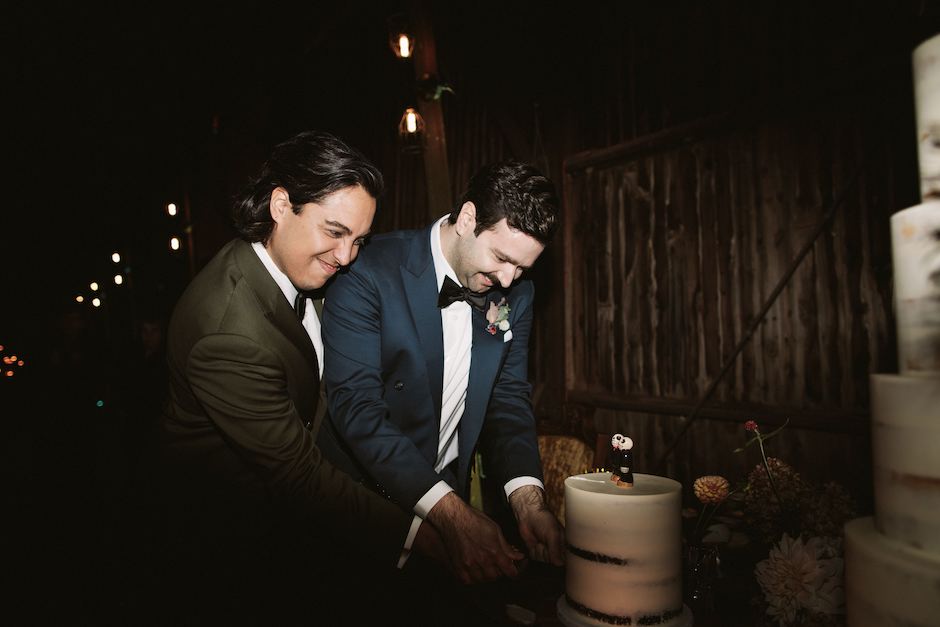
<point>624,562</point>
<point>892,560</point>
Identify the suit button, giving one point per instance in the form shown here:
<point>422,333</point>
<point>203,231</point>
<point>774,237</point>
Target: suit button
<point>399,386</point>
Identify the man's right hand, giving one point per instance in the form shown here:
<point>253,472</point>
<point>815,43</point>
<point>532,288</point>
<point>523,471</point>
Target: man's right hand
<point>478,551</point>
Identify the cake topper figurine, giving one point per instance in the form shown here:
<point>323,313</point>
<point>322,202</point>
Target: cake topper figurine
<point>621,460</point>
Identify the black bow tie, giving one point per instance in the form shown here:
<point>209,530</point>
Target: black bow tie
<point>300,301</point>
<point>452,293</point>
<point>300,304</point>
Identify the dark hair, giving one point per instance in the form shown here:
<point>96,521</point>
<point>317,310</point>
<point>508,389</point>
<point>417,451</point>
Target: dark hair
<point>310,166</point>
<point>515,191</point>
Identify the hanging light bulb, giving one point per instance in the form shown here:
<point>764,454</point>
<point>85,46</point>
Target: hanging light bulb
<point>411,131</point>
<point>405,47</point>
<point>400,40</point>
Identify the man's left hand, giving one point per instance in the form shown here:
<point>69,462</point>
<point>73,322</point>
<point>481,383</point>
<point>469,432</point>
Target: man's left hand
<point>538,526</point>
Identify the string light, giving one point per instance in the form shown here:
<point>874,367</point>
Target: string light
<point>116,257</point>
<point>118,279</point>
<point>171,209</point>
<point>174,243</point>
<point>96,302</point>
<point>93,286</point>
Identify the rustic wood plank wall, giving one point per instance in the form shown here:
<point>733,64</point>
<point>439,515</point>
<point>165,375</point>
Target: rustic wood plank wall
<point>673,252</point>
<point>674,242</point>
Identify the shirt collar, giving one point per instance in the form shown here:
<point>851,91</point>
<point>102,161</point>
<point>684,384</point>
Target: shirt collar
<point>441,266</point>
<point>290,292</point>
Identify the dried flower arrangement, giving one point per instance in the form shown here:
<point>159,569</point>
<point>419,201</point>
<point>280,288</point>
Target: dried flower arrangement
<point>794,528</point>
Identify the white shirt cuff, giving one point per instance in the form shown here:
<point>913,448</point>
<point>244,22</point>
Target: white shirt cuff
<point>431,497</point>
<point>409,540</point>
<point>514,484</point>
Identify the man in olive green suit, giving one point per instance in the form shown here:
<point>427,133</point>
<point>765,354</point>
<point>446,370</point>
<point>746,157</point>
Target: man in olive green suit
<point>259,514</point>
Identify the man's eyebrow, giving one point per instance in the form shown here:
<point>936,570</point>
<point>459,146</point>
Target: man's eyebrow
<point>345,229</point>
<point>508,259</point>
<point>339,226</point>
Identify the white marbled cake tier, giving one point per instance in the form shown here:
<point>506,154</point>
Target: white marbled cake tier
<point>624,562</point>
<point>915,254</point>
<point>926,66</point>
<point>887,582</point>
<point>906,452</point>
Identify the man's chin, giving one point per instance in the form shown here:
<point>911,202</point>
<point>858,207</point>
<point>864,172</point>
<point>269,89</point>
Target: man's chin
<point>315,284</point>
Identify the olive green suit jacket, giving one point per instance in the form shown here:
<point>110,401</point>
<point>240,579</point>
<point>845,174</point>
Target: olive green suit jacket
<point>240,426</point>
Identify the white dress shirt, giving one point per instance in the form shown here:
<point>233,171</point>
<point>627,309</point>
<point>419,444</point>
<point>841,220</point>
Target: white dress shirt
<point>311,321</point>
<point>456,322</point>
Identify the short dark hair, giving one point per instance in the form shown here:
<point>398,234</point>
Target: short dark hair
<point>310,166</point>
<point>515,191</point>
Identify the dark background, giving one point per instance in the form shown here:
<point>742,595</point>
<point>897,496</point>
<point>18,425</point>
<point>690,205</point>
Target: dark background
<point>118,110</point>
<point>112,110</point>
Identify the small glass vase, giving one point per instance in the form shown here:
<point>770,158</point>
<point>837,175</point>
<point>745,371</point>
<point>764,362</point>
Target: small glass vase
<point>702,569</point>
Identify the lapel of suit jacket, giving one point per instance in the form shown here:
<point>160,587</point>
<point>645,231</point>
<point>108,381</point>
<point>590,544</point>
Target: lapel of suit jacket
<point>420,283</point>
<point>272,301</point>
<point>486,356</point>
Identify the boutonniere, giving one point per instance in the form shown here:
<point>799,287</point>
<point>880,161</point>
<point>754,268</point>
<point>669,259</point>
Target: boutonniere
<point>497,317</point>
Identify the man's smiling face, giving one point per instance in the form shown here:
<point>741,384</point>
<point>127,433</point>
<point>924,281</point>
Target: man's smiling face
<point>310,246</point>
<point>497,256</point>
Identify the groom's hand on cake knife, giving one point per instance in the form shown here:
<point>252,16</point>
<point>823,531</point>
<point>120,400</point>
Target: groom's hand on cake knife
<point>476,546</point>
<point>539,528</point>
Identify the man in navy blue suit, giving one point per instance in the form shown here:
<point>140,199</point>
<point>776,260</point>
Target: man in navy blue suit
<point>426,349</point>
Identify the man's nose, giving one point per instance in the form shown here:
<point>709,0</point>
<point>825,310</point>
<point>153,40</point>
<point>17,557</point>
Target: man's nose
<point>344,252</point>
<point>507,275</point>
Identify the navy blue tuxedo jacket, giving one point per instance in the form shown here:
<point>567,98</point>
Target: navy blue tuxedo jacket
<point>384,363</point>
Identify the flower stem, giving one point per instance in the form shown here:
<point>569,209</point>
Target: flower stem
<point>698,523</point>
<point>770,475</point>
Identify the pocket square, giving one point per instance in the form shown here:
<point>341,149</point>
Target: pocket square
<point>507,335</point>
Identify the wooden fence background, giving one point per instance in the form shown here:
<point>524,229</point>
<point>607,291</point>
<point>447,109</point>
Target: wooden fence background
<point>673,243</point>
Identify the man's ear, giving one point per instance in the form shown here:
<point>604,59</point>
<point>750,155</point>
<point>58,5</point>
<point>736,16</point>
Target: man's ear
<point>466,219</point>
<point>280,204</point>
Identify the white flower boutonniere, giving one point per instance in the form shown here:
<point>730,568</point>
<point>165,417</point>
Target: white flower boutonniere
<point>497,317</point>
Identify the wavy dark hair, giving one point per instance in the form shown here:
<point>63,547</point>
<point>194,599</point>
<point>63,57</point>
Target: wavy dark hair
<point>310,166</point>
<point>515,191</point>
